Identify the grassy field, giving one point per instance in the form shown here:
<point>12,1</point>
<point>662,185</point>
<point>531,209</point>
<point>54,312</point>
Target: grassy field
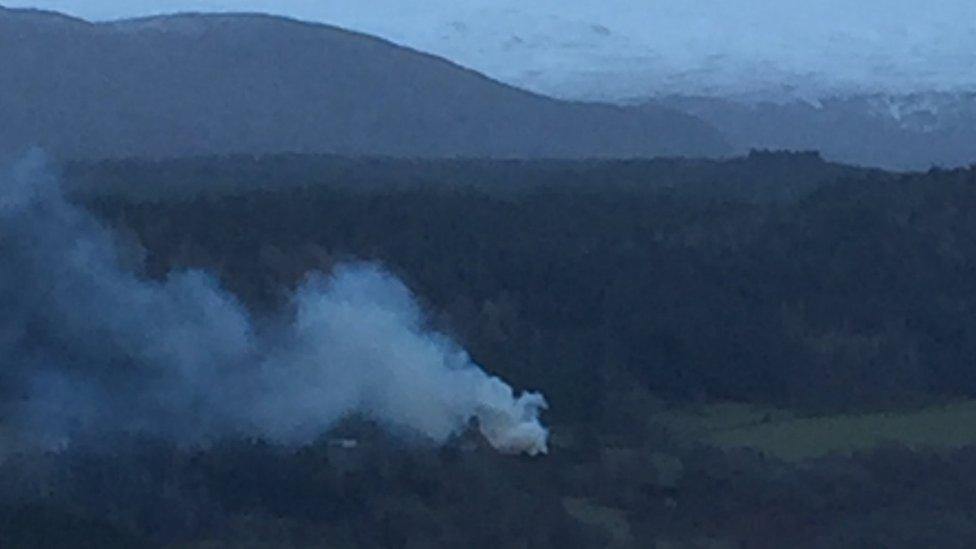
<point>613,521</point>
<point>781,434</point>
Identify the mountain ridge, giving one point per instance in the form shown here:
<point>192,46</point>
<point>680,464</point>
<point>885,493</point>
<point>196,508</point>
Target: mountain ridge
<point>255,83</point>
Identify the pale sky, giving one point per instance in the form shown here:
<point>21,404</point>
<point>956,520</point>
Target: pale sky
<point>620,48</point>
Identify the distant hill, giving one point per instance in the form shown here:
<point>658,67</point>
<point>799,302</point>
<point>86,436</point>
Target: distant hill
<point>909,132</point>
<point>219,84</point>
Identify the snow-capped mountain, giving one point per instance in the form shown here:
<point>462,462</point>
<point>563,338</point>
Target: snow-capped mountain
<point>623,49</point>
<point>627,49</point>
<point>887,83</point>
<point>880,82</point>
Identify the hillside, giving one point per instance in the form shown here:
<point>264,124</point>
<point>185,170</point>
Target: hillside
<point>773,278</point>
<point>217,84</point>
<point>833,307</point>
<point>771,351</point>
<point>906,132</point>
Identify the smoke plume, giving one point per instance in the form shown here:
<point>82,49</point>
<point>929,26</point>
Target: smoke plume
<point>88,346</point>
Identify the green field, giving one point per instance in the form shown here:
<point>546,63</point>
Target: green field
<point>780,433</point>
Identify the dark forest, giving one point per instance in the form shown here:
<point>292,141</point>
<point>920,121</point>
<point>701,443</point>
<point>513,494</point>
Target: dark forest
<point>629,291</point>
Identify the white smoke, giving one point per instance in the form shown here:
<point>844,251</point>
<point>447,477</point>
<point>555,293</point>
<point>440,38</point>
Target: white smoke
<point>86,346</point>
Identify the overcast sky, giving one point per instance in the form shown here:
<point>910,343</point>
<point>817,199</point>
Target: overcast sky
<point>619,48</point>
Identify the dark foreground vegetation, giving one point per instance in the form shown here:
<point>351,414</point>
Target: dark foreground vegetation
<point>619,289</point>
<point>382,494</point>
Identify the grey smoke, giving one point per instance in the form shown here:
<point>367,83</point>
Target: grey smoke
<point>88,346</point>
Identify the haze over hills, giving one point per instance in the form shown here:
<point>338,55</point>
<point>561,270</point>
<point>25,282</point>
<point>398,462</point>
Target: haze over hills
<point>215,84</point>
<point>900,132</point>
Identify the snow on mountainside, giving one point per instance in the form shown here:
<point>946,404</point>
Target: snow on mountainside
<point>628,49</point>
<point>886,83</point>
<point>880,82</point>
<point>623,49</point>
<point>925,112</point>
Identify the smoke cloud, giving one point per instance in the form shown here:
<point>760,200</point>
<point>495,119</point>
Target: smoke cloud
<point>88,346</point>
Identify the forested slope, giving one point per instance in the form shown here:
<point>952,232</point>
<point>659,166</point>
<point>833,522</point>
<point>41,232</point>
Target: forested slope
<point>637,295</point>
<point>773,278</point>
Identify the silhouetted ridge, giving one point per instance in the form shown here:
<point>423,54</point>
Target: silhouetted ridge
<point>217,84</point>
